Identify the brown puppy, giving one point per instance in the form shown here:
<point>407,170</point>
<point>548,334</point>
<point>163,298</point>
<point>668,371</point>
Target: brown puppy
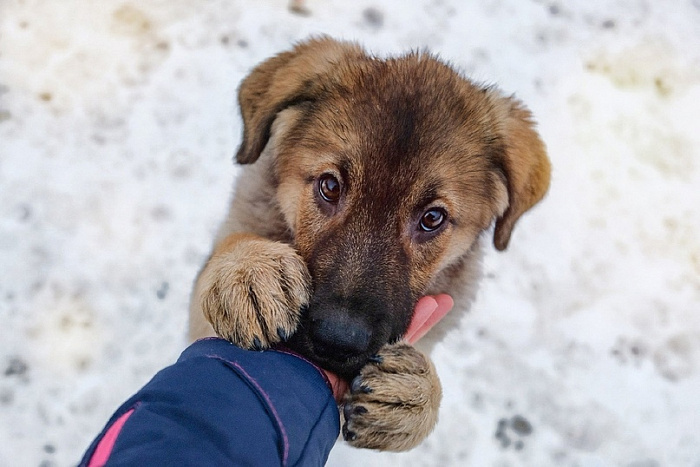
<point>366,184</point>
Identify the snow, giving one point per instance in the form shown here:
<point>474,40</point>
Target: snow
<point>118,123</point>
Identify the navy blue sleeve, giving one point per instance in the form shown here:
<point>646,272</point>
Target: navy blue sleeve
<point>221,405</point>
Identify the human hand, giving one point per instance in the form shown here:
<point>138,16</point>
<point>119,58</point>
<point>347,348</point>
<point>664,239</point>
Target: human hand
<point>429,310</point>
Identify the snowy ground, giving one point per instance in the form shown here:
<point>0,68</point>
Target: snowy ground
<point>117,128</point>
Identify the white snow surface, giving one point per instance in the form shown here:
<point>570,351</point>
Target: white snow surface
<point>118,123</point>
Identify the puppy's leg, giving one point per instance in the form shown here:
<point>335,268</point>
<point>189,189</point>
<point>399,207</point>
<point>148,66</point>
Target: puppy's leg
<point>251,292</point>
<point>393,403</point>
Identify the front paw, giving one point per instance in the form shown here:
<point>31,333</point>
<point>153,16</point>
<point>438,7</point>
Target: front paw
<point>253,292</point>
<point>393,403</point>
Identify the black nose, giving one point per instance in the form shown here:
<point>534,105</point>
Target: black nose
<point>340,335</point>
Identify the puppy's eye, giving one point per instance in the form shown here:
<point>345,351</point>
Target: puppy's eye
<point>432,219</point>
<point>329,188</point>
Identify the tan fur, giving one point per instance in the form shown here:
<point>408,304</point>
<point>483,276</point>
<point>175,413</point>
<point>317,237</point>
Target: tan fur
<point>402,135</point>
<point>526,163</point>
<point>394,404</point>
<point>252,290</point>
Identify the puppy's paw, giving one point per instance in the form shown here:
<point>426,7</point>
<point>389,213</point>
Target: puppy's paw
<point>393,403</point>
<point>252,293</point>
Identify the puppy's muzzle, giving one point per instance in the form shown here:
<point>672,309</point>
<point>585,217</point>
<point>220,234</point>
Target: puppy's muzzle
<point>340,334</point>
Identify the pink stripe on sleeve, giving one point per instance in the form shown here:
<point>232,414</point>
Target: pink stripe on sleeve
<point>106,444</point>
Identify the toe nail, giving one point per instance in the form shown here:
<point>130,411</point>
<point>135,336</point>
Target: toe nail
<point>375,359</point>
<point>349,435</point>
<point>347,411</point>
<point>282,334</point>
<point>357,386</point>
<point>257,345</point>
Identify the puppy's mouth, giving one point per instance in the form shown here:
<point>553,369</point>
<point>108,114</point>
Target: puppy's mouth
<point>346,368</point>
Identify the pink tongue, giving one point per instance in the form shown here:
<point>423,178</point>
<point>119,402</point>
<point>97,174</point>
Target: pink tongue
<point>428,312</point>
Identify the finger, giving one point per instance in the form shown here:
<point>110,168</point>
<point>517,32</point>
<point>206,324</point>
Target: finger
<point>338,385</point>
<point>443,304</point>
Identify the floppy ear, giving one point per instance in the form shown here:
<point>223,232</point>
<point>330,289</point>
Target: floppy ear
<point>526,165</point>
<point>285,80</point>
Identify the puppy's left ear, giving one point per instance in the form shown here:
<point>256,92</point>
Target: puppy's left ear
<point>286,80</point>
<point>526,165</point>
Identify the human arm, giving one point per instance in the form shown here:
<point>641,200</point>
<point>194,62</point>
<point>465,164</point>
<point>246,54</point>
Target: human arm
<point>221,405</point>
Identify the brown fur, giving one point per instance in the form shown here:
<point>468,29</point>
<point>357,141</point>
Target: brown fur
<point>401,136</point>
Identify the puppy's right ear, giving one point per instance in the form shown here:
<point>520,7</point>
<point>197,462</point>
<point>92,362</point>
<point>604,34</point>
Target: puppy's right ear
<point>526,165</point>
<point>285,80</point>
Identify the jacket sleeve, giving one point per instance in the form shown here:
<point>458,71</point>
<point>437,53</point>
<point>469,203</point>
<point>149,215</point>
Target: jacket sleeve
<point>221,405</point>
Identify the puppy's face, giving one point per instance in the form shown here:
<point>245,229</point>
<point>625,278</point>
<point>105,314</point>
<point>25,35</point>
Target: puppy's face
<point>386,173</point>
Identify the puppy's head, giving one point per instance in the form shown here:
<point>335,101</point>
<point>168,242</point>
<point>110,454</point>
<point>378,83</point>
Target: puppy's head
<point>386,172</point>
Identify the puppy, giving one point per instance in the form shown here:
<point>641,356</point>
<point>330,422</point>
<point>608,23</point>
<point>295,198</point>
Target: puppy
<point>366,184</point>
